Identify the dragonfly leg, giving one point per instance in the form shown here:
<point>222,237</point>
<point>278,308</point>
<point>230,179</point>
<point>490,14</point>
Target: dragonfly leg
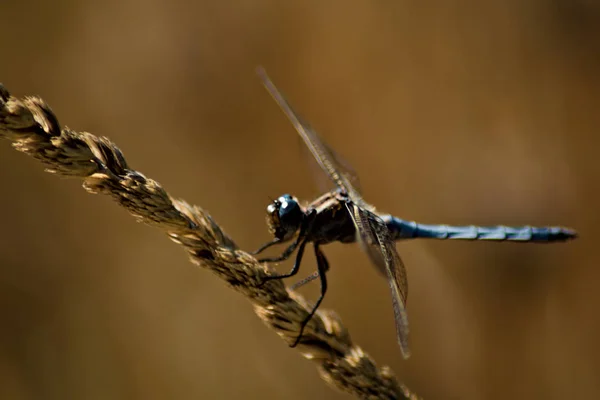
<point>296,267</point>
<point>304,229</point>
<point>322,267</point>
<point>304,281</point>
<point>286,253</point>
<point>266,246</point>
<point>314,275</point>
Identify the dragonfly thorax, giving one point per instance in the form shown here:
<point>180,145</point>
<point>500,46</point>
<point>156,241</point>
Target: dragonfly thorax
<point>284,216</point>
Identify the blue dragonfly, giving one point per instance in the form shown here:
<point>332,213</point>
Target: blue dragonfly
<point>342,215</point>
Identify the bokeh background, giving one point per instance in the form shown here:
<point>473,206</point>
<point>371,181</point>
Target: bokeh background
<point>455,112</point>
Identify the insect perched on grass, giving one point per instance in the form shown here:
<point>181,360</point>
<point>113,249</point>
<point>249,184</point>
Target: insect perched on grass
<point>342,215</point>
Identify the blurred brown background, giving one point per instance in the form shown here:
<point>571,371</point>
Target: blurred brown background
<point>454,112</point>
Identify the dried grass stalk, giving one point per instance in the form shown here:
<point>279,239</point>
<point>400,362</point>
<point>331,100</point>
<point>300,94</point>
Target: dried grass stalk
<point>32,127</point>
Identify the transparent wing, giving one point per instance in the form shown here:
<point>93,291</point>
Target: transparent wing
<point>345,167</point>
<point>375,239</point>
<point>322,181</point>
<point>336,169</point>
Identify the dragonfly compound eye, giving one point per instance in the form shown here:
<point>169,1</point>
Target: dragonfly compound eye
<point>284,216</point>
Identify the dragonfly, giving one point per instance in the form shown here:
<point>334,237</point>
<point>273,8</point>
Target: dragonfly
<point>342,215</point>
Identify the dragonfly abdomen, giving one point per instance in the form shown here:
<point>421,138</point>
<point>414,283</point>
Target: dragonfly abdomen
<point>401,229</point>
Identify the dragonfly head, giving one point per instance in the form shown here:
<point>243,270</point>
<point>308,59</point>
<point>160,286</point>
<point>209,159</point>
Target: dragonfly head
<point>284,217</point>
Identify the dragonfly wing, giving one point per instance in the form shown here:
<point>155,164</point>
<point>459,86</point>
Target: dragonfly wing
<point>335,168</point>
<point>323,182</point>
<point>345,168</point>
<point>375,239</point>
